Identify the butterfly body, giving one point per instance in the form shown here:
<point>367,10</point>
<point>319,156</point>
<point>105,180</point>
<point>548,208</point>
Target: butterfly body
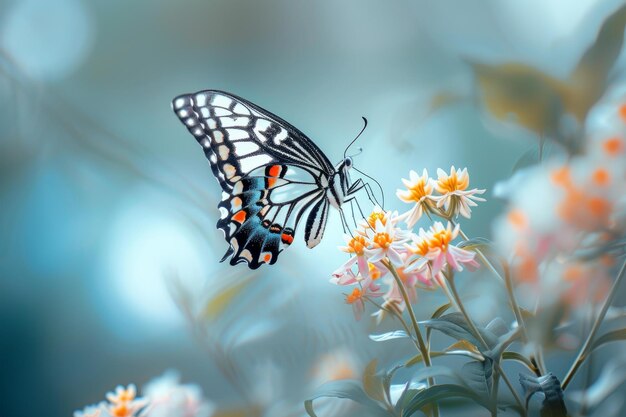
<point>271,174</point>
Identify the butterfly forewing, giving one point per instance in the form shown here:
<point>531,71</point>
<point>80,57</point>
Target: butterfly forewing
<point>269,172</point>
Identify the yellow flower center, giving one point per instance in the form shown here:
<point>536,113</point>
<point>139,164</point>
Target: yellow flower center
<point>440,239</point>
<point>448,184</point>
<point>382,240</point>
<point>421,247</point>
<point>420,190</point>
<point>357,244</point>
<point>355,296</point>
<point>374,272</point>
<point>120,411</point>
<point>376,215</point>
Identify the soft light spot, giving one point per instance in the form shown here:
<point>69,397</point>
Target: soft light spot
<point>622,112</point>
<point>561,176</point>
<point>613,146</point>
<point>601,176</point>
<point>599,207</point>
<point>518,219</point>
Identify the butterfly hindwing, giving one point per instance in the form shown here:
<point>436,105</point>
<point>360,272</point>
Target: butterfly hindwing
<point>268,171</point>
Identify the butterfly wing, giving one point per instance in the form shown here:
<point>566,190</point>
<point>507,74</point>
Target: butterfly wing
<point>269,172</point>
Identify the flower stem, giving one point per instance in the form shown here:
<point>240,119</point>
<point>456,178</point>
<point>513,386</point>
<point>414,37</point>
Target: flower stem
<point>511,294</point>
<point>584,351</point>
<point>405,297</point>
<point>456,300</point>
<point>420,340</point>
<point>400,318</point>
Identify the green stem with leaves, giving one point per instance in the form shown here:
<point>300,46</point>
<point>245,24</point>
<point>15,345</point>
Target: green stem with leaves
<point>455,299</point>
<point>584,351</point>
<point>423,348</point>
<point>511,294</point>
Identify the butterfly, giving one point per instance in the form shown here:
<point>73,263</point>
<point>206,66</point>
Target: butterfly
<point>271,174</point>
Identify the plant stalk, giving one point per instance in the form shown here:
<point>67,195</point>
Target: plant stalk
<point>584,351</point>
<point>418,334</point>
<point>456,300</point>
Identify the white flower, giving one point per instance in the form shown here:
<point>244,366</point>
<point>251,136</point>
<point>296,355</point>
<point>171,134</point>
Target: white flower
<point>386,242</point>
<point>96,410</point>
<point>169,398</point>
<point>419,191</point>
<point>455,198</point>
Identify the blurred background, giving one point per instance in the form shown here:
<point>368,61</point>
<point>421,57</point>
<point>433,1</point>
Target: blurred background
<point>108,207</point>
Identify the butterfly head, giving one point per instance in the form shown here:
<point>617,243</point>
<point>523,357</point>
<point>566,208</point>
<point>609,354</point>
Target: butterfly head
<point>345,165</point>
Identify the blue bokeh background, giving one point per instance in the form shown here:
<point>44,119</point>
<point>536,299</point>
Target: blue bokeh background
<point>103,194</point>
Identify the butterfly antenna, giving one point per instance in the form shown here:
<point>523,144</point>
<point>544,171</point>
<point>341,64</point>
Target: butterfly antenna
<point>382,192</point>
<point>357,136</point>
<point>359,152</point>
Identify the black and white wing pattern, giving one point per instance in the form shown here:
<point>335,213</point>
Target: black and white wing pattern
<point>269,171</point>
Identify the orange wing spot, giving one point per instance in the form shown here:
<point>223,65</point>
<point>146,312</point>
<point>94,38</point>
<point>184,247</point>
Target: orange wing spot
<point>613,146</point>
<point>286,239</point>
<point>240,216</point>
<point>601,176</point>
<point>273,172</point>
<point>267,258</point>
<point>236,202</point>
<point>622,112</point>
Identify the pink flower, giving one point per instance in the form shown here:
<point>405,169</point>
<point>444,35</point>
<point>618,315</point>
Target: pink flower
<point>442,252</point>
<point>356,298</point>
<point>356,246</point>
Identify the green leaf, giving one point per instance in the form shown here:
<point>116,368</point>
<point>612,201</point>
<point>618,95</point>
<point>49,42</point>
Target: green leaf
<point>349,389</point>
<point>476,243</point>
<point>462,345</point>
<point>455,326</point>
<point>373,383</point>
<point>397,334</point>
<point>515,356</point>
<point>387,379</point>
<point>437,393</point>
<point>222,299</point>
<point>498,327</point>
<point>613,336</point>
<point>528,158</point>
<point>479,376</point>
<point>438,312</point>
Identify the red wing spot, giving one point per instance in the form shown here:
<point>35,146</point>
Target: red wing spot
<point>267,258</point>
<point>240,216</point>
<point>273,172</point>
<point>286,238</point>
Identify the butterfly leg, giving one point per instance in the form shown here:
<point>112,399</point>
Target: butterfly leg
<point>356,226</point>
<point>344,223</point>
<point>357,186</point>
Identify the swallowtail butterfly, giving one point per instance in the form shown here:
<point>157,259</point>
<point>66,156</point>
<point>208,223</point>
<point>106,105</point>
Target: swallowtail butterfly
<point>271,175</point>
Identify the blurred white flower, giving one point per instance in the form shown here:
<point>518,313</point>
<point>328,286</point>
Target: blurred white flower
<point>169,398</point>
<point>97,410</point>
